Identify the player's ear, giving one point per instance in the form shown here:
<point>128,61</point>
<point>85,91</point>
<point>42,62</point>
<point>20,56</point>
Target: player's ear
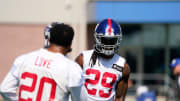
<point>69,49</point>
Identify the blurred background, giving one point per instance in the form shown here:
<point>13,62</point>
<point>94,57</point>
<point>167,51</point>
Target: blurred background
<point>151,35</point>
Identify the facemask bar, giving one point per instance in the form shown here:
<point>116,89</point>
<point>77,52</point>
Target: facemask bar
<point>107,49</point>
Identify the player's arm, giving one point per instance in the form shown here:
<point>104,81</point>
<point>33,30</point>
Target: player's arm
<point>122,86</point>
<point>79,60</point>
<point>78,93</point>
<point>75,84</point>
<point>8,88</point>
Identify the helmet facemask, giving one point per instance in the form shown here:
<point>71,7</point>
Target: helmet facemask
<point>107,45</point>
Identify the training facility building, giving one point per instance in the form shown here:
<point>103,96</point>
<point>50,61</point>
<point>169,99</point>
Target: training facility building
<point>150,34</point>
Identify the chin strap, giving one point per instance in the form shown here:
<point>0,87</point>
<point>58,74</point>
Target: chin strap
<point>46,43</point>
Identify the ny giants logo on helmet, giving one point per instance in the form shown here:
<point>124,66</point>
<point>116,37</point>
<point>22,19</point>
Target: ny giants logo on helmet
<point>108,29</point>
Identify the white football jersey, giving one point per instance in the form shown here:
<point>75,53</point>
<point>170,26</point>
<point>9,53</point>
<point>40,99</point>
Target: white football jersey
<point>178,81</point>
<point>101,79</point>
<point>43,76</point>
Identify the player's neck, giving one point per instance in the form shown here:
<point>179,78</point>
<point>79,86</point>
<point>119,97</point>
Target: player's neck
<point>57,49</point>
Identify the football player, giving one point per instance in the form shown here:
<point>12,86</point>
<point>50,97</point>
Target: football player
<point>105,72</point>
<point>175,65</point>
<point>176,69</point>
<point>46,74</point>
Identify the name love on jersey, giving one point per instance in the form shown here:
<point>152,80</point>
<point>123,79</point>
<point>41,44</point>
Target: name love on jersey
<point>42,62</point>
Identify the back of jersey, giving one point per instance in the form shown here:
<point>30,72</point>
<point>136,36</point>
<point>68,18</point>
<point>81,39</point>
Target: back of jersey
<point>44,76</point>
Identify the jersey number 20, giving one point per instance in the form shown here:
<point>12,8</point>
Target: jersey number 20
<point>31,88</point>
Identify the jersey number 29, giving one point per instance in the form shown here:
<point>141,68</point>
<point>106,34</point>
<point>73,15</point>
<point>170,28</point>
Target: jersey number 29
<point>104,82</point>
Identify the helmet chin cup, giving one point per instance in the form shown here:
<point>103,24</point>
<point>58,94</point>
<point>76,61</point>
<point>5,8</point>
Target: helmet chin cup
<point>106,49</point>
<point>108,52</point>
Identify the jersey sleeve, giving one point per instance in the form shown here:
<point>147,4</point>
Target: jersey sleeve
<point>9,85</point>
<point>178,81</point>
<point>75,77</point>
<point>86,57</point>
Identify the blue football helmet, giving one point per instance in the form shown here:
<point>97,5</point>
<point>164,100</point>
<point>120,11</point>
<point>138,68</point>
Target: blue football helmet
<point>47,33</point>
<point>108,36</point>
